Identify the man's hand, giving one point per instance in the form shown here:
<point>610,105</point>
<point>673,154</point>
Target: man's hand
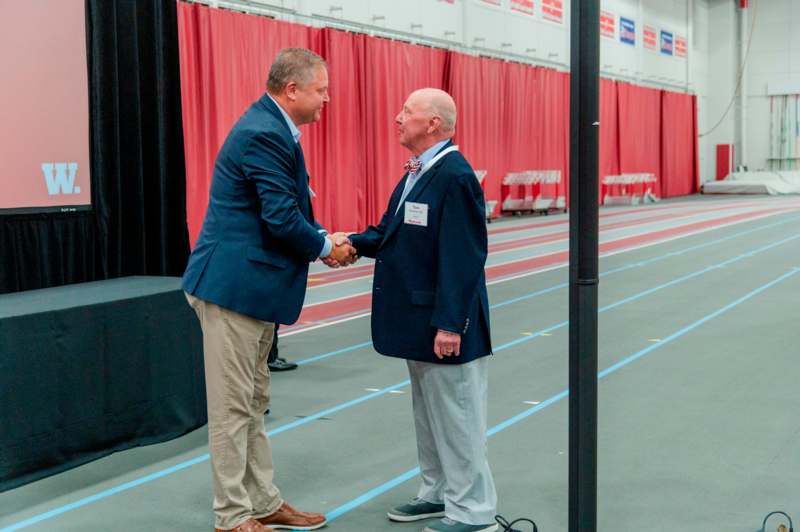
<point>342,253</point>
<point>447,344</point>
<point>341,238</point>
<point>330,262</point>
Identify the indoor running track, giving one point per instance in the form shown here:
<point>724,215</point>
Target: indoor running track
<point>698,358</point>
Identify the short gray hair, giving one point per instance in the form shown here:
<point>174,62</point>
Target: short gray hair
<point>293,64</point>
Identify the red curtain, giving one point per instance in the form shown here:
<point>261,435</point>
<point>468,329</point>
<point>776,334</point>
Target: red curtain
<point>520,133</point>
<point>552,121</point>
<point>334,147</point>
<point>639,129</point>
<point>639,122</point>
<point>391,71</point>
<point>678,158</point>
<point>224,57</point>
<point>481,94</point>
<point>696,143</point>
<point>511,117</point>
<point>609,130</point>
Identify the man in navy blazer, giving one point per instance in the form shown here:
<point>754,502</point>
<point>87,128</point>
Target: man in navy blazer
<point>430,307</point>
<point>247,272</point>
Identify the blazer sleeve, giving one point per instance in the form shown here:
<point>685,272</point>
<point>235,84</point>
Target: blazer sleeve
<point>463,247</point>
<point>368,242</point>
<point>269,163</point>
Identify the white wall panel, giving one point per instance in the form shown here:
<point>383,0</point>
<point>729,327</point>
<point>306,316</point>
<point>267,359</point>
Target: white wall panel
<point>710,71</point>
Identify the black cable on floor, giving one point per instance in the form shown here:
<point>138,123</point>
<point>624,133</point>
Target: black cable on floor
<point>777,512</point>
<point>508,527</point>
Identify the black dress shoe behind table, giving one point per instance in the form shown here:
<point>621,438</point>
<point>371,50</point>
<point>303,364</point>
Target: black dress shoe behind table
<point>281,364</point>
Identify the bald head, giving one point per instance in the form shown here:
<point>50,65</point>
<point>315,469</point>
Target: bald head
<point>439,104</point>
<point>428,116</point>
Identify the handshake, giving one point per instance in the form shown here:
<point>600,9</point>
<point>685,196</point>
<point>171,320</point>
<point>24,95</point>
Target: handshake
<point>343,253</point>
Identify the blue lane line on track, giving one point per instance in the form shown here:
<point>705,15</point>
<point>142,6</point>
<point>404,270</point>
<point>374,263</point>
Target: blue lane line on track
<point>303,421</point>
<point>411,473</point>
<point>559,286</point>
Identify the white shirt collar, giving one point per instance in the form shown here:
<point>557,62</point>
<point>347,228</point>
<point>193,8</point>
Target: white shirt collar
<point>431,152</point>
<point>292,128</point>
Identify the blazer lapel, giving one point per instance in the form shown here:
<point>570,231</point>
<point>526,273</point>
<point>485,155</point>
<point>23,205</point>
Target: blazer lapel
<point>419,187</point>
<point>426,178</point>
<point>303,194</point>
<point>301,175</point>
<point>424,181</point>
<point>415,193</point>
<point>397,216</point>
<point>272,109</point>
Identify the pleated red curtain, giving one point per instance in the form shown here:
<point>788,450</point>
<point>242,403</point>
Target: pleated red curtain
<point>553,120</point>
<point>224,58</point>
<point>679,134</point>
<point>392,70</point>
<point>337,162</point>
<point>481,94</point>
<point>639,112</point>
<point>609,130</point>
<point>512,117</point>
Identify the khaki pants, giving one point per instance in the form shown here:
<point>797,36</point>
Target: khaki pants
<point>237,390</point>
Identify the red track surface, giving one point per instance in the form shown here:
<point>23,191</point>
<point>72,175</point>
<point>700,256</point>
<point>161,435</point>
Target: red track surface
<point>360,272</point>
<point>334,310</point>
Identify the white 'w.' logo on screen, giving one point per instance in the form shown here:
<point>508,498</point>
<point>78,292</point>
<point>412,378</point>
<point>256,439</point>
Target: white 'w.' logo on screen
<point>60,178</point>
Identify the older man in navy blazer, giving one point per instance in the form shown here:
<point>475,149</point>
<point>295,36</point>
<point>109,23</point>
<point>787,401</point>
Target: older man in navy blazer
<point>247,272</point>
<point>430,307</point>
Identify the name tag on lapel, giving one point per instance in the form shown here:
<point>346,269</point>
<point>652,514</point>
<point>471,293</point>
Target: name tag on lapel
<point>416,213</point>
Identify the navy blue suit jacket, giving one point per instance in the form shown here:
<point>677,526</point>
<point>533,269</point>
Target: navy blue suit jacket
<point>429,278</point>
<point>259,233</point>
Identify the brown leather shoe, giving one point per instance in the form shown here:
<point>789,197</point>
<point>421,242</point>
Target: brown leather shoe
<point>288,517</point>
<point>251,525</point>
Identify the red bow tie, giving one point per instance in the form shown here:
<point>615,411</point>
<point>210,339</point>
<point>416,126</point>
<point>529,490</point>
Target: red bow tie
<point>412,165</point>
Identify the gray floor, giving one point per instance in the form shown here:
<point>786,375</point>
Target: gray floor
<point>698,421</point>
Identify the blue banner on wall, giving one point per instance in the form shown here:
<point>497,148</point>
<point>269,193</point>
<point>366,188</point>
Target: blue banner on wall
<point>666,42</point>
<point>627,31</point>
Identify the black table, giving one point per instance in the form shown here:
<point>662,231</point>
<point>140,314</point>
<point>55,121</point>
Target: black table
<point>94,368</point>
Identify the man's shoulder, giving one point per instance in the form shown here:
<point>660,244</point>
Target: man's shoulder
<point>258,119</point>
<point>457,160</point>
<point>456,166</point>
<point>258,122</point>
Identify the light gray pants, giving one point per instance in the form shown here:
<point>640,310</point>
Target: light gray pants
<point>450,417</point>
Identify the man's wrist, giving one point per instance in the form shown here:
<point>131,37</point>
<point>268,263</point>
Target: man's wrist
<point>327,247</point>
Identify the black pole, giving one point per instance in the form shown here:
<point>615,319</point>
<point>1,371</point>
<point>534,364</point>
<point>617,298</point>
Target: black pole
<point>583,278</point>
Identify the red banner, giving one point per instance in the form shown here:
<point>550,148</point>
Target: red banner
<point>650,38</point>
<point>522,6</point>
<point>608,24</point>
<point>553,10</point>
<point>681,46</point>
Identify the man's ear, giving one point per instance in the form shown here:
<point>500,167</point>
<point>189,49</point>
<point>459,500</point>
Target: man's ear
<point>291,90</point>
<point>434,123</point>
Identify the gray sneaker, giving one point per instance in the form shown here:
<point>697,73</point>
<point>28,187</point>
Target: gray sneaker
<point>448,525</point>
<point>416,510</point>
